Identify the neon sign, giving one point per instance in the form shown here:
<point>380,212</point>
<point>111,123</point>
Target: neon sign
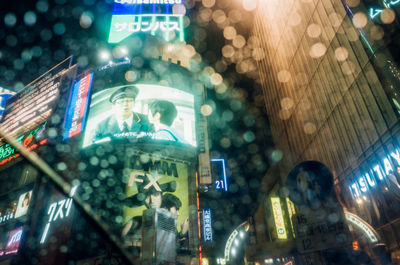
<point>377,173</point>
<point>77,109</point>
<point>8,152</point>
<point>219,173</point>
<point>13,241</point>
<point>146,16</point>
<point>373,12</point>
<point>57,211</point>
<point>278,217</point>
<point>207,230</point>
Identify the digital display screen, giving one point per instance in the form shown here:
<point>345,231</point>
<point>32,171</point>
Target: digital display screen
<point>141,112</point>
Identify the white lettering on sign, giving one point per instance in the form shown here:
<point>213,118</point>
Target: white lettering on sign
<point>146,26</point>
<point>57,210</point>
<point>15,238</point>
<point>207,229</point>
<point>363,226</point>
<point>379,172</point>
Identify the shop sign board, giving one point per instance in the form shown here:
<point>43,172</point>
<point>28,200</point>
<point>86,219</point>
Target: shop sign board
<point>314,232</point>
<point>278,217</point>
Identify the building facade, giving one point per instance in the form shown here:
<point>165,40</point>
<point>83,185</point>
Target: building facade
<point>330,79</point>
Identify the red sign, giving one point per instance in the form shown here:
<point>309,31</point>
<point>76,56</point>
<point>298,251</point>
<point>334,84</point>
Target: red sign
<point>77,108</point>
<point>13,241</point>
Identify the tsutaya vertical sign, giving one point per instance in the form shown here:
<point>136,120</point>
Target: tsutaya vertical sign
<point>148,16</point>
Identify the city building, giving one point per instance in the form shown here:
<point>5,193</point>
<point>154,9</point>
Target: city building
<point>330,78</point>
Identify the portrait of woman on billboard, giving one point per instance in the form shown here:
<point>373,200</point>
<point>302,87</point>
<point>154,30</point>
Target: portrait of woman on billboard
<point>149,113</point>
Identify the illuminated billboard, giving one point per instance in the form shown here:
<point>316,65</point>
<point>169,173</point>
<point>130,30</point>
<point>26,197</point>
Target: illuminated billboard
<point>154,17</point>
<point>12,209</point>
<point>77,106</point>
<point>278,217</point>
<point>141,113</point>
<point>156,184</point>
<point>14,241</point>
<point>26,113</point>
<point>23,204</point>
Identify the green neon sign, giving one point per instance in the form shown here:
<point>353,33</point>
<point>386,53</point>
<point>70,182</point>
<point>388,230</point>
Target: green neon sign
<point>7,150</point>
<point>122,26</point>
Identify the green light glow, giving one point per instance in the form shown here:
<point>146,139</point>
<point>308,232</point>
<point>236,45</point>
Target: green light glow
<point>122,26</point>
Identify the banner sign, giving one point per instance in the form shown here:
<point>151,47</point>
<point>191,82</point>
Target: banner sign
<point>77,108</point>
<point>278,217</point>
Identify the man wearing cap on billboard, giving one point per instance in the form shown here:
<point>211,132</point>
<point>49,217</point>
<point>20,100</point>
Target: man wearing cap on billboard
<point>123,122</point>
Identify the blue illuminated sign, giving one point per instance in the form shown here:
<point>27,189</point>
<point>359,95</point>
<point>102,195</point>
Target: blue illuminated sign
<point>77,107</point>
<point>377,173</point>
<point>219,174</point>
<point>3,99</point>
<point>207,228</point>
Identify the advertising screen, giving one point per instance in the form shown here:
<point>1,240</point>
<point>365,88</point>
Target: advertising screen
<point>11,209</point>
<point>23,204</point>
<point>141,113</point>
<point>156,184</point>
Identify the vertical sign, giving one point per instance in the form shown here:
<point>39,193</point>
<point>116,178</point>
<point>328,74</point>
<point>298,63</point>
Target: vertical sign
<point>207,229</point>
<point>219,174</point>
<point>292,211</point>
<point>278,217</point>
<point>77,107</point>
<point>204,151</point>
<point>148,16</point>
<point>57,211</point>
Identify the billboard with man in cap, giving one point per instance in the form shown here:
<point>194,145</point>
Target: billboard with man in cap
<point>123,121</point>
<point>151,113</point>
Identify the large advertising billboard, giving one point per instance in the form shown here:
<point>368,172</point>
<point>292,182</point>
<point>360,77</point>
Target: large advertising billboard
<point>26,114</point>
<point>157,184</point>
<point>141,113</point>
